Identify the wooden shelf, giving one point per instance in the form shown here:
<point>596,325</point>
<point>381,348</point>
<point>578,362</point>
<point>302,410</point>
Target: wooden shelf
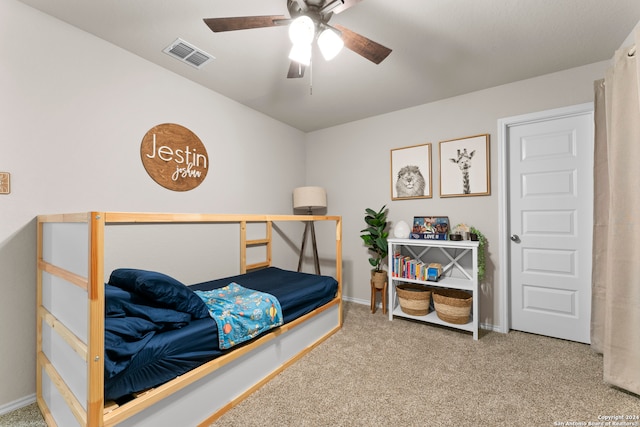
<point>432,317</point>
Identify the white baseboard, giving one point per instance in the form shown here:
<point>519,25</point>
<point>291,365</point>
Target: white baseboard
<point>17,404</point>
<point>356,300</point>
<point>490,327</point>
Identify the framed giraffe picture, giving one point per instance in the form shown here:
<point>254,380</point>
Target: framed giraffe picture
<point>464,167</point>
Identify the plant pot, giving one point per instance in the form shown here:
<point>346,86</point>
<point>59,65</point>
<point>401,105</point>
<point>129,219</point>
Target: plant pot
<point>378,278</point>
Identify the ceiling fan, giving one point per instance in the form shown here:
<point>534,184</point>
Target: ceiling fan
<point>308,21</point>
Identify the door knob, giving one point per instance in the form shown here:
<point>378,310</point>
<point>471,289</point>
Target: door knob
<point>515,238</point>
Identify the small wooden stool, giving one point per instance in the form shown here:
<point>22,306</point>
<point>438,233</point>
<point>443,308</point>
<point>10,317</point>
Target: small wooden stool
<point>383,296</point>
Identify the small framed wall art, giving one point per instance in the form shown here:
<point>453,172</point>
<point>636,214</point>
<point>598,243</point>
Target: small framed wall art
<point>464,167</point>
<point>411,172</point>
<point>5,183</point>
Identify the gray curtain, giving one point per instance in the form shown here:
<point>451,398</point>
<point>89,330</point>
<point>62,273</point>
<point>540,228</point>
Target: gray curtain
<point>615,318</point>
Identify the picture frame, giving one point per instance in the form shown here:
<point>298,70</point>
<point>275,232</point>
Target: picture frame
<point>430,228</point>
<point>411,172</point>
<point>464,167</point>
<point>5,183</point>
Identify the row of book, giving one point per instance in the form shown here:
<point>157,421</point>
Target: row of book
<point>405,267</point>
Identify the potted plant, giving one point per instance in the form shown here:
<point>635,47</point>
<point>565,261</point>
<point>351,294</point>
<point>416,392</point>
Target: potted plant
<point>375,239</point>
<point>475,234</point>
<point>482,248</point>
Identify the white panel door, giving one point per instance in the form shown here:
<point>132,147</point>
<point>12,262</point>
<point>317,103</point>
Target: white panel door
<point>551,219</point>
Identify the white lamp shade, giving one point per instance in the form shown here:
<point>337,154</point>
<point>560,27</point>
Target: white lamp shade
<point>302,30</point>
<point>330,44</point>
<point>301,53</point>
<point>309,198</point>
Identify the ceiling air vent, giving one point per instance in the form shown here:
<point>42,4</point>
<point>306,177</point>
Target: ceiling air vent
<point>188,53</point>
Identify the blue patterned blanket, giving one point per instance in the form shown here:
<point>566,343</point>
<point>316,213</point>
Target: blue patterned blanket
<point>241,313</point>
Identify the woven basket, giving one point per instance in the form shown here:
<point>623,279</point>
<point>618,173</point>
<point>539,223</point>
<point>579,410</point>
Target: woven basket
<point>453,306</point>
<point>414,299</point>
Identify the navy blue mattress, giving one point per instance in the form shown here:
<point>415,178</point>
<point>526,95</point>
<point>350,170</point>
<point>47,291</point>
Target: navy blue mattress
<point>155,330</point>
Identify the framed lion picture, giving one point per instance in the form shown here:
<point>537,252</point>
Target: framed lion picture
<point>411,172</point>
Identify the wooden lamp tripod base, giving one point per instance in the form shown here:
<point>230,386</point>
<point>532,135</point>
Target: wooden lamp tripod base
<point>309,229</point>
<point>309,198</point>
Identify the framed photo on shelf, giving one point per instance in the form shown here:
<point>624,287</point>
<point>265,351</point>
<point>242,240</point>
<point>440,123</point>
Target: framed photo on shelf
<point>464,167</point>
<point>430,227</point>
<point>411,172</point>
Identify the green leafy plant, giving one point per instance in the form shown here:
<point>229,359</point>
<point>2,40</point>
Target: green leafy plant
<point>375,236</point>
<point>482,247</point>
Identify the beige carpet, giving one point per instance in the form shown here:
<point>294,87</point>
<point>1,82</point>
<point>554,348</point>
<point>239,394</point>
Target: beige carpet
<point>29,416</point>
<point>402,373</point>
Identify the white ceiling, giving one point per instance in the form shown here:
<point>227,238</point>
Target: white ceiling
<point>441,48</point>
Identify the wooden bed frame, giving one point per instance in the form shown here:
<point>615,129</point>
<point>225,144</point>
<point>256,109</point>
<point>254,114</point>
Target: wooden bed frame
<point>70,328</point>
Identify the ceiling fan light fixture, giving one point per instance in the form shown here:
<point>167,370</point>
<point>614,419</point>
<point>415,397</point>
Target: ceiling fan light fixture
<point>302,30</point>
<point>330,43</point>
<point>301,53</point>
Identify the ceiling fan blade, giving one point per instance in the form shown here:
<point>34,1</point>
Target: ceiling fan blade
<point>346,4</point>
<point>363,46</point>
<point>244,22</point>
<point>296,70</point>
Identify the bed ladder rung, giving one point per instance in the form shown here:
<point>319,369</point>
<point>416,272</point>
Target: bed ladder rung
<point>258,265</point>
<point>246,243</point>
<point>257,242</point>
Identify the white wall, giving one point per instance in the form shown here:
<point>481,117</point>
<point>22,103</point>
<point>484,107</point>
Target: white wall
<point>630,40</point>
<point>73,113</point>
<point>353,162</point>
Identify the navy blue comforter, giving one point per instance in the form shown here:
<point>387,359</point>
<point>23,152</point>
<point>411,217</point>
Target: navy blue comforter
<point>156,328</point>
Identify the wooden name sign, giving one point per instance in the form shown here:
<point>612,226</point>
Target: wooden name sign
<point>174,157</point>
